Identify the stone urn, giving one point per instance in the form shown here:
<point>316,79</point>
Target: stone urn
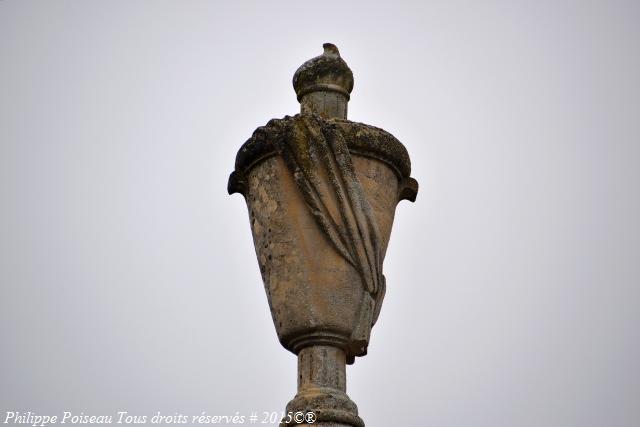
<point>321,193</point>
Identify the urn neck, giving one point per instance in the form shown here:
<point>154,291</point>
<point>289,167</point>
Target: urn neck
<point>325,103</point>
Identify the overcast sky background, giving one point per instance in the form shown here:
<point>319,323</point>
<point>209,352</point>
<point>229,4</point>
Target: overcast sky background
<point>128,276</point>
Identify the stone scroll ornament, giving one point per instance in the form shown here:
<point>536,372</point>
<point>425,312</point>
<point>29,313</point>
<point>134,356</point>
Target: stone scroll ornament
<point>321,193</point>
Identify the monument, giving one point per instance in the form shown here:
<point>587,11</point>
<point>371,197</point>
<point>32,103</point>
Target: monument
<point>321,192</point>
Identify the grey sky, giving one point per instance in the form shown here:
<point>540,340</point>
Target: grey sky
<point>128,276</point>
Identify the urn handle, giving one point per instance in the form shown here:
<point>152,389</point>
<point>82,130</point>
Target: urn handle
<point>408,190</point>
<point>237,183</point>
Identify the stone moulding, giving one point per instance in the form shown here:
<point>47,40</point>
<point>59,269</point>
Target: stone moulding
<point>362,139</point>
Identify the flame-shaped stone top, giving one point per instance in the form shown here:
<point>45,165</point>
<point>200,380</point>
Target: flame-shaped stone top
<point>323,84</point>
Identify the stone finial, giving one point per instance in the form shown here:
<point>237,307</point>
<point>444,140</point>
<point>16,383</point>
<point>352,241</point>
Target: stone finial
<point>321,193</point>
<point>323,84</point>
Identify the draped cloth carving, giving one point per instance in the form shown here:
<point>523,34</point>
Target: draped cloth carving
<point>316,154</point>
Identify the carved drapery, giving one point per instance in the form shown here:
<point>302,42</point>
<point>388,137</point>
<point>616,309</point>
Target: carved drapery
<point>317,155</point>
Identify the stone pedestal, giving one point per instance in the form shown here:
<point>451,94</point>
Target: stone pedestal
<point>322,388</point>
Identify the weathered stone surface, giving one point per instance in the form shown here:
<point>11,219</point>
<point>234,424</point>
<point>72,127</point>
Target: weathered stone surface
<point>321,193</point>
<point>362,139</point>
<point>299,258</point>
